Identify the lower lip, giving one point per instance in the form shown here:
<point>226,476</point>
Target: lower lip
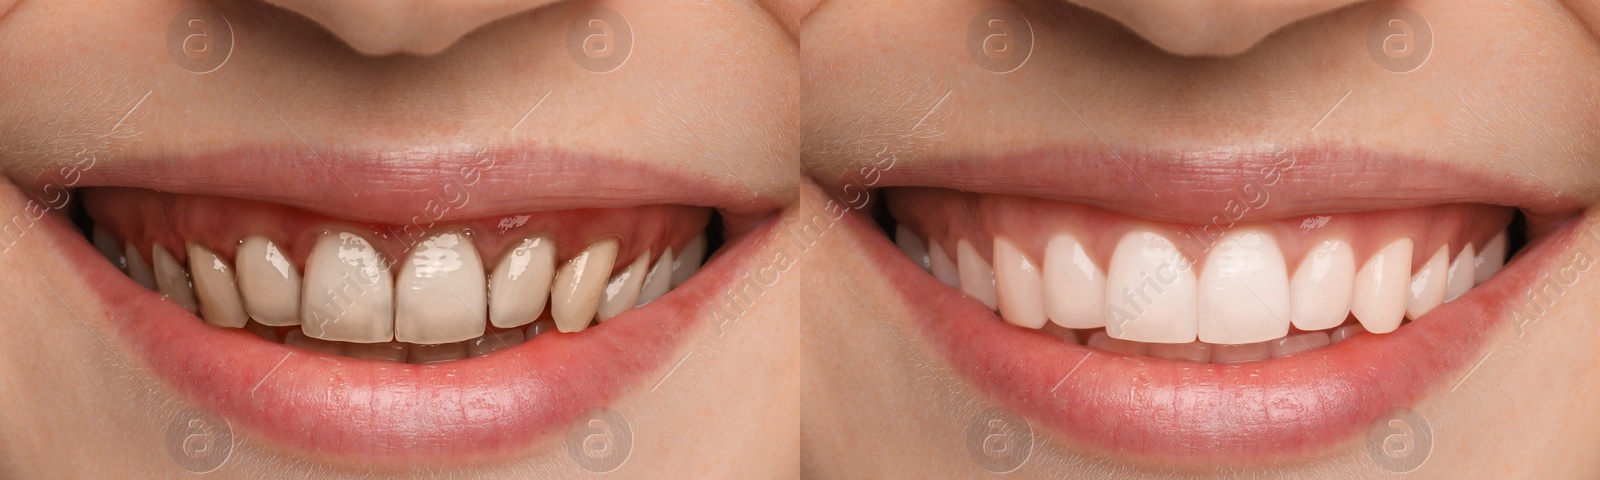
<point>1147,409</point>
<point>476,409</point>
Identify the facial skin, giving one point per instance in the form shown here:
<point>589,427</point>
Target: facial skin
<point>1509,89</point>
<point>495,73</point>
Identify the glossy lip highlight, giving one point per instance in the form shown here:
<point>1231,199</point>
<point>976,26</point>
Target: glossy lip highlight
<point>1151,410</point>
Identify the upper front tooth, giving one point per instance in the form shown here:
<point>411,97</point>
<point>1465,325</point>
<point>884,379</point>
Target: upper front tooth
<point>576,294</point>
<point>1492,258</point>
<point>349,292</point>
<point>213,281</point>
<point>623,289</point>
<point>521,283</point>
<point>1460,278</point>
<point>658,280</point>
<point>911,245</point>
<point>1150,291</point>
<point>1244,290</point>
<point>943,269</point>
<point>173,281</point>
<point>1319,292</point>
<point>684,266</point>
<point>269,282</point>
<point>440,296</point>
<point>1428,284</point>
<point>138,270</point>
<point>1021,289</point>
<point>1076,288</point>
<point>1378,298</point>
<point>977,277</point>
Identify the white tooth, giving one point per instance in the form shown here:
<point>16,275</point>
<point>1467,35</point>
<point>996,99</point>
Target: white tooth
<point>1100,340</point>
<point>1075,288</point>
<point>1378,298</point>
<point>109,249</point>
<point>576,294</point>
<point>1249,352</point>
<point>1319,291</point>
<point>1426,291</point>
<point>912,246</point>
<point>1194,352</point>
<point>657,281</point>
<point>521,283</point>
<point>214,284</point>
<point>1150,291</point>
<point>1019,284</point>
<point>390,351</point>
<point>1491,259</point>
<point>269,283</point>
<point>437,353</point>
<point>440,295</point>
<point>173,281</point>
<point>943,269</point>
<point>299,339</point>
<point>138,270</point>
<point>684,266</point>
<point>349,292</point>
<point>1295,344</point>
<point>493,342</point>
<point>1460,279</point>
<point>977,277</point>
<point>623,289</point>
<point>1244,290</point>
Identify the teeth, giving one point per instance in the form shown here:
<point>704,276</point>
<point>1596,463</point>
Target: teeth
<point>1104,342</point>
<point>622,291</point>
<point>683,267</point>
<point>440,296</point>
<point>349,292</point>
<point>1023,301</point>
<point>269,282</point>
<point>1301,343</point>
<point>1249,352</point>
<point>1244,290</point>
<point>108,248</point>
<point>1460,278</point>
<point>493,342</point>
<point>576,294</point>
<point>173,281</point>
<point>1194,352</point>
<point>214,284</point>
<point>943,269</point>
<point>1150,291</point>
<point>521,283</point>
<point>658,281</point>
<point>139,270</point>
<point>1347,331</point>
<point>1493,257</point>
<point>539,328</point>
<point>437,353</point>
<point>977,277</point>
<point>390,351</point>
<point>911,245</point>
<point>1319,292</point>
<point>299,339</point>
<point>1378,299</point>
<point>1428,284</point>
<point>1077,288</point>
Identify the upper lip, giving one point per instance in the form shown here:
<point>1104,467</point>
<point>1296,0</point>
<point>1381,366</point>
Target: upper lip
<point>1247,412</point>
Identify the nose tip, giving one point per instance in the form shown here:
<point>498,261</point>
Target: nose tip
<point>1209,27</point>
<point>421,27</point>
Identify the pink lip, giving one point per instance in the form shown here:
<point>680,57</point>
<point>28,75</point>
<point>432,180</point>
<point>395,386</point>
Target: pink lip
<point>1147,409</point>
<point>477,409</point>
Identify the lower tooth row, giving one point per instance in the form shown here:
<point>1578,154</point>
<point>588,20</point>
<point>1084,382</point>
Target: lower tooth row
<point>1212,353</point>
<point>443,295</point>
<point>404,352</point>
<point>1244,295</point>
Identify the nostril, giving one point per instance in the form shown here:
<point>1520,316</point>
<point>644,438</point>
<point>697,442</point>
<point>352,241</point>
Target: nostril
<point>419,27</point>
<point>1209,27</point>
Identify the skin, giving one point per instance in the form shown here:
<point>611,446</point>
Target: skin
<point>81,407</point>
<point>880,402</point>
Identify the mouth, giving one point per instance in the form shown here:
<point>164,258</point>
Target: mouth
<point>1276,327</point>
<point>391,319</point>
